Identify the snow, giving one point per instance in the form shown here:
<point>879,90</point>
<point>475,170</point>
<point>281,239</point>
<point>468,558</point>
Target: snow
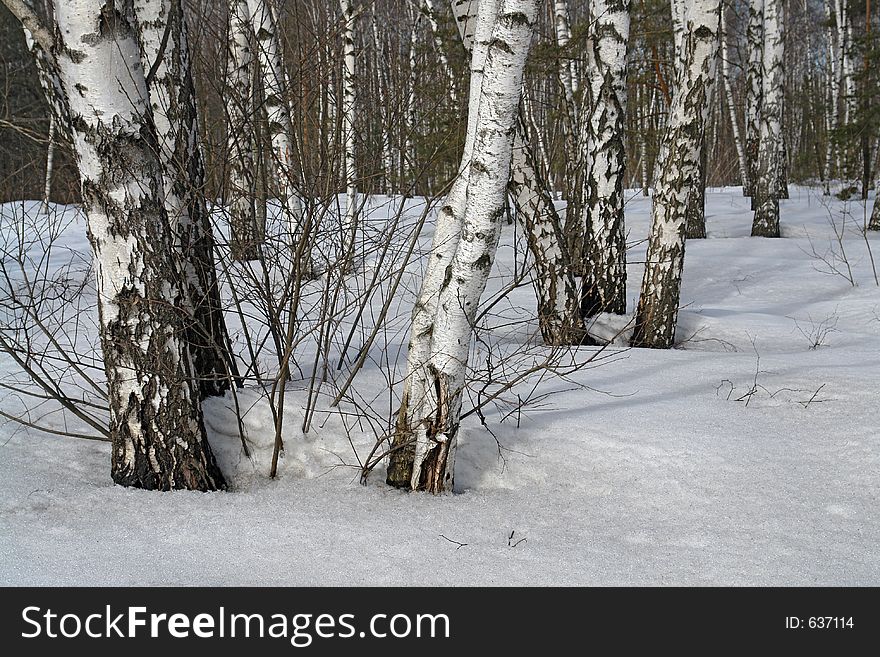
<point>747,455</point>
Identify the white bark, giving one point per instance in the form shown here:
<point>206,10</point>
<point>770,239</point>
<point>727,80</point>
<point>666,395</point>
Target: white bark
<point>412,123</point>
<point>384,110</point>
<point>447,231</point>
<point>559,316</point>
<point>246,236</point>
<point>643,145</point>
<point>568,76</point>
<point>558,305</point>
<point>275,89</point>
<point>164,44</point>
<point>50,158</point>
<point>349,224</point>
<point>766,222</point>
<point>431,13</point>
<point>754,63</point>
<point>874,221</point>
<point>158,439</point>
<point>679,26</point>
<point>847,68</point>
<point>677,169</point>
<point>731,106</point>
<point>833,98</point>
<point>604,283</point>
<point>469,271</point>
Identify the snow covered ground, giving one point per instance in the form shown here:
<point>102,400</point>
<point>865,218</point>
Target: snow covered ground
<point>749,455</point>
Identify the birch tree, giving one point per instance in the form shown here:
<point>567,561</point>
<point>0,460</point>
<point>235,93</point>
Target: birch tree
<point>677,167</point>
<point>163,37</point>
<point>754,88</point>
<point>349,225</point>
<point>558,305</point>
<point>874,221</point>
<point>604,282</point>
<point>246,236</point>
<point>434,432</point>
<point>59,116</point>
<point>695,208</point>
<point>731,105</point>
<point>569,82</point>
<point>766,221</point>
<point>411,419</point>
<point>431,13</point>
<point>275,100</point>
<point>158,437</point>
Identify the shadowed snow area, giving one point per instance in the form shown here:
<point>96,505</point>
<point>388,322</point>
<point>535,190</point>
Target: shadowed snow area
<point>749,454</point>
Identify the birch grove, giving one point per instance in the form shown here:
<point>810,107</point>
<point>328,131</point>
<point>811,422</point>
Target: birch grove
<point>449,156</point>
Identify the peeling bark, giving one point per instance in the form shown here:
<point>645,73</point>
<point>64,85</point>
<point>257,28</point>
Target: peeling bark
<point>447,231</point>
<point>469,270</point>
<point>156,428</point>
<point>163,38</point>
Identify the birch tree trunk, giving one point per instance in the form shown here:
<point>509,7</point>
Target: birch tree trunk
<point>766,221</point>
<point>847,69</point>
<point>833,98</point>
<point>642,128</point>
<point>874,221</point>
<point>50,158</point>
<point>558,306</point>
<point>246,236</point>
<point>349,224</point>
<point>275,97</point>
<point>576,153</point>
<point>412,125</point>
<point>158,438</point>
<point>695,216</point>
<point>731,105</point>
<point>677,169</point>
<point>163,38</point>
<point>50,82</point>
<point>604,281</point>
<point>431,13</point>
<point>559,316</point>
<point>460,294</point>
<point>754,87</point>
<point>384,110</point>
<point>447,232</point>
<point>567,71</point>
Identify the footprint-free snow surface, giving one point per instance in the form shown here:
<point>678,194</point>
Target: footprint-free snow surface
<point>747,455</point>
